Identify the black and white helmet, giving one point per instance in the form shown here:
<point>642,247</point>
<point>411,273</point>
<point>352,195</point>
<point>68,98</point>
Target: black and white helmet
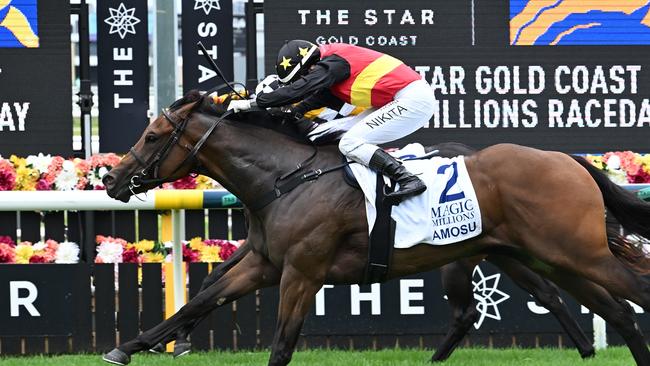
<point>295,58</point>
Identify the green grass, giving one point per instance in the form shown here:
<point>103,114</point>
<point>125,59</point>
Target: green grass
<point>467,356</point>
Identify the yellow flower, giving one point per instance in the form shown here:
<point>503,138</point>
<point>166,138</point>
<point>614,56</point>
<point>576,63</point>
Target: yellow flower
<point>153,257</point>
<point>26,178</point>
<point>196,244</point>
<point>597,161</point>
<point>18,162</point>
<point>23,253</point>
<point>203,182</point>
<point>144,246</point>
<point>210,253</point>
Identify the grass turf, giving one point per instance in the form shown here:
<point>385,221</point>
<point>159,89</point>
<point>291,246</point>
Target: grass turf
<point>466,356</point>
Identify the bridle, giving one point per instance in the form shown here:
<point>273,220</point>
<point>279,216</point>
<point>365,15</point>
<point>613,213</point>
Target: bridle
<point>152,165</point>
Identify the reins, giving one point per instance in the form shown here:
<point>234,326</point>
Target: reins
<point>156,160</point>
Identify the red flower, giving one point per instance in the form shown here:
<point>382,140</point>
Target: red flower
<point>43,185</point>
<point>7,240</point>
<point>7,253</point>
<point>37,259</point>
<point>227,248</point>
<point>190,255</point>
<point>641,176</point>
<point>7,180</point>
<point>185,183</point>
<point>130,256</point>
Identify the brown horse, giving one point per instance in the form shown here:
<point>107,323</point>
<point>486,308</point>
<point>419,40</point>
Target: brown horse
<point>542,208</point>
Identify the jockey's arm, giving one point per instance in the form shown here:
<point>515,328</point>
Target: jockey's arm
<point>323,75</point>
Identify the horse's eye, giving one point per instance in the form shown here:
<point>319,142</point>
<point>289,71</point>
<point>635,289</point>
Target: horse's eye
<point>151,138</point>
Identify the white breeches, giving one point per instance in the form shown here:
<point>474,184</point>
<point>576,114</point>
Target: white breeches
<point>410,110</point>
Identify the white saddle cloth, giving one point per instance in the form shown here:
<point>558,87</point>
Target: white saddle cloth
<point>447,212</point>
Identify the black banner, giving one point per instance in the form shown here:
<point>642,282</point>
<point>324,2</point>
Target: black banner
<point>208,21</point>
<point>417,305</point>
<point>123,69</point>
<point>35,81</point>
<point>40,300</point>
<point>499,74</point>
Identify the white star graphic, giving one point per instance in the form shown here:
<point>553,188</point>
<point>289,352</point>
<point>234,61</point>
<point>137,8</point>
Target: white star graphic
<point>488,296</point>
<point>207,5</point>
<point>122,20</point>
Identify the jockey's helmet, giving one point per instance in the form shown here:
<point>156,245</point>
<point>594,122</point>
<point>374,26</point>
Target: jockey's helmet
<point>295,58</point>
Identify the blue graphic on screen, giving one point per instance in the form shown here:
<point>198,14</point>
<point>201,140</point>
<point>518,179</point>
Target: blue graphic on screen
<point>579,22</point>
<point>19,24</point>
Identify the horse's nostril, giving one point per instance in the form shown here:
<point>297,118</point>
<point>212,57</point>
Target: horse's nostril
<point>108,179</point>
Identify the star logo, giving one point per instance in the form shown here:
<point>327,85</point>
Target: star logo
<point>122,21</point>
<point>207,5</point>
<point>487,295</point>
<point>286,62</point>
<point>303,51</point>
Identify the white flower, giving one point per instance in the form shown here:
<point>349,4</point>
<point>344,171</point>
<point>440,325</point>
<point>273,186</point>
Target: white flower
<point>617,176</point>
<point>95,179</point>
<point>39,162</point>
<point>614,163</point>
<point>68,252</point>
<point>110,252</point>
<point>67,178</point>
<point>39,246</point>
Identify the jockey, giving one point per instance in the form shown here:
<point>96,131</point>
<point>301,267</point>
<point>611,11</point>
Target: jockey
<point>399,102</point>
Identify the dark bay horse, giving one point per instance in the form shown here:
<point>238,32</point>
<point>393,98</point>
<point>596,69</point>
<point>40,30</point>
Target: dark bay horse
<point>457,284</point>
<point>543,208</point>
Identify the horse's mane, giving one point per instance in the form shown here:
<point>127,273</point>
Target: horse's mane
<point>257,117</point>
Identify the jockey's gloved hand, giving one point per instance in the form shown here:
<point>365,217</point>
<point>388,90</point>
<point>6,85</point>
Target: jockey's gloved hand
<point>240,105</point>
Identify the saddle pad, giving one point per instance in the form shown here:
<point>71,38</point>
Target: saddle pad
<point>447,212</point>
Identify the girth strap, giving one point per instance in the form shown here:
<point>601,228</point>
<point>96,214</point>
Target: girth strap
<point>382,237</point>
<point>289,184</point>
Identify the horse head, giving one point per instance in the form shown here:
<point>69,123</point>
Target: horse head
<point>164,152</point>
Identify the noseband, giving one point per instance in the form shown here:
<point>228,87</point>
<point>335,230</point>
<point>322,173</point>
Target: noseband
<point>152,165</point>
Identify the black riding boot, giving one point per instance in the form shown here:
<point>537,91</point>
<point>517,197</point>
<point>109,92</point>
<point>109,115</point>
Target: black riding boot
<point>409,184</point>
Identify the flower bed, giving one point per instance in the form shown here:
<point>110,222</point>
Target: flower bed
<point>117,250</point>
<point>623,166</point>
<point>54,173</point>
<point>49,251</point>
<point>45,172</point>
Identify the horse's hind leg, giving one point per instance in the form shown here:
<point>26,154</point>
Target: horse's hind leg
<point>617,312</point>
<point>457,284</point>
<point>546,295</point>
<point>252,273</point>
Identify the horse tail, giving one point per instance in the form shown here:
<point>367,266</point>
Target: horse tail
<point>630,211</point>
<point>631,255</point>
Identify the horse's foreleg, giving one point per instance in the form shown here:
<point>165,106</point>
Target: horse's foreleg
<point>183,345</point>
<point>297,291</point>
<point>548,296</point>
<point>252,273</point>
<point>457,284</point>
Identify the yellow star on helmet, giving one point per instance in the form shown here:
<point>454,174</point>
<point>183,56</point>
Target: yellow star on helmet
<point>303,51</point>
<point>286,62</point>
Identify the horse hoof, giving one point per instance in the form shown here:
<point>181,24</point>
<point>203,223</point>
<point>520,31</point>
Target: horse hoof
<point>181,349</point>
<point>117,357</point>
<point>589,354</point>
<point>158,348</point>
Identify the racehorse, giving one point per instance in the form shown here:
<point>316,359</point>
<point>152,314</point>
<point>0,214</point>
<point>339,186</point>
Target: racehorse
<point>457,284</point>
<point>545,209</point>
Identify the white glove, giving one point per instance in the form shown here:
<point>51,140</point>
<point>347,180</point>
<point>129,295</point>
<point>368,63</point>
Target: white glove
<point>239,105</point>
